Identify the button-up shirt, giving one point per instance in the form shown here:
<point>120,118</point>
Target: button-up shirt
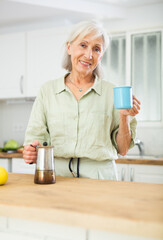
<point>85,128</point>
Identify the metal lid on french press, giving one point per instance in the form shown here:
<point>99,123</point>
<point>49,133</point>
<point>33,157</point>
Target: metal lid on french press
<point>45,145</point>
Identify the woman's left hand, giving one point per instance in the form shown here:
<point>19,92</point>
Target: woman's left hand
<point>132,111</point>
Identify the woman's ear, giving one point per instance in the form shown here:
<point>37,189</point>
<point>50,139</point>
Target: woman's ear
<point>68,48</point>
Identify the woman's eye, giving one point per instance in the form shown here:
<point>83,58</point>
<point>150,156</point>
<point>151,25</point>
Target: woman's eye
<point>82,45</point>
<point>97,49</point>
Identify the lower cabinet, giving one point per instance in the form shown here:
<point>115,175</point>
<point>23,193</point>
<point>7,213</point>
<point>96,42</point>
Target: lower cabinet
<point>24,229</point>
<point>122,172</point>
<point>140,173</point>
<point>19,166</point>
<point>6,163</point>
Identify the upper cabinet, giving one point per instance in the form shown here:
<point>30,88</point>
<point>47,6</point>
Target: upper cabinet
<point>44,55</point>
<point>28,60</point>
<point>12,65</point>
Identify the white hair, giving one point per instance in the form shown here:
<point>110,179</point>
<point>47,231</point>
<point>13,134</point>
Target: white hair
<point>80,31</point>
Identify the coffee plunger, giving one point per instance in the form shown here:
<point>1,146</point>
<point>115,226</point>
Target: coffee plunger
<point>44,172</point>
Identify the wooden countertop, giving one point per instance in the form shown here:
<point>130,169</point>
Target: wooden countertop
<point>10,155</point>
<point>145,161</point>
<point>122,207</point>
<point>137,160</point>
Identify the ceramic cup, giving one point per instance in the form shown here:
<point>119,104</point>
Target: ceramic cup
<point>123,97</point>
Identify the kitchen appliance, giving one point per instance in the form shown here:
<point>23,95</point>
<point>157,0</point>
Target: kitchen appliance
<point>45,173</point>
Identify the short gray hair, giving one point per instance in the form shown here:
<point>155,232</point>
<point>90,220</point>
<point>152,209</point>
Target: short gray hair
<point>81,30</point>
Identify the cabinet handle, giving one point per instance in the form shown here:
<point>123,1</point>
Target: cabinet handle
<point>122,174</point>
<point>21,84</point>
<point>131,174</point>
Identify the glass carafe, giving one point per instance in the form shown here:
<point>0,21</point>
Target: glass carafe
<point>45,172</point>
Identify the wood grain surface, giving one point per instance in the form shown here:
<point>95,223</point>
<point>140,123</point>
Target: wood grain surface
<point>122,207</point>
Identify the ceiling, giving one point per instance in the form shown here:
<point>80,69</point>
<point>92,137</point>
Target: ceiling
<point>14,12</point>
<point>128,3</point>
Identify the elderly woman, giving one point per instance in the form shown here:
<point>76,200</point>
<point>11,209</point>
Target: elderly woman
<point>76,114</point>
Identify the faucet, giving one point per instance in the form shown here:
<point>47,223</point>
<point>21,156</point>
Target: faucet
<point>140,145</point>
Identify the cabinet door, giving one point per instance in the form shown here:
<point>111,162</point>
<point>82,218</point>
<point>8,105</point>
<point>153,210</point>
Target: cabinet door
<point>12,65</point>
<point>146,173</point>
<point>6,163</point>
<point>122,172</point>
<point>44,54</point>
<point>19,166</point>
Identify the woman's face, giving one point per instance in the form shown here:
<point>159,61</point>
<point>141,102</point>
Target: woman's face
<point>85,53</point>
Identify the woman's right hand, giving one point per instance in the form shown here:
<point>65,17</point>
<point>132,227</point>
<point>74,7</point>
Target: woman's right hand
<point>30,152</point>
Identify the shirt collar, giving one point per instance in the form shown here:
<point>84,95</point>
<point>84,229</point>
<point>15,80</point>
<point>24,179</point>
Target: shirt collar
<point>97,85</point>
<point>62,87</point>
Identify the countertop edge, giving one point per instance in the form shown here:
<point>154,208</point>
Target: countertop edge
<point>77,219</point>
<point>127,160</point>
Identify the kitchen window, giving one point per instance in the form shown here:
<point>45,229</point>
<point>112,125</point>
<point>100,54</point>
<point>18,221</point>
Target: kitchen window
<point>135,59</point>
<point>114,60</point>
<point>146,74</point>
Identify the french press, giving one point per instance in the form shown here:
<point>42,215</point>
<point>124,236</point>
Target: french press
<point>44,172</point>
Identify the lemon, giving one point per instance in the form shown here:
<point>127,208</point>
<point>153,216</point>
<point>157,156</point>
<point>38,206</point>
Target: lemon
<point>3,175</point>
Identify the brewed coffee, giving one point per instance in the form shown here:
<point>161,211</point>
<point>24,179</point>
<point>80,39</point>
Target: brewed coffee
<point>44,177</point>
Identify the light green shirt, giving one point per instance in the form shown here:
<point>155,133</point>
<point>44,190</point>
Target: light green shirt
<point>85,128</point>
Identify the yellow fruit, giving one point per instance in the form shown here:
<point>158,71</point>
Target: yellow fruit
<point>3,175</point>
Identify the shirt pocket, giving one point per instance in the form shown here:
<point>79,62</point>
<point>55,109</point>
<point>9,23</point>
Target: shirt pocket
<point>99,128</point>
<point>56,125</point>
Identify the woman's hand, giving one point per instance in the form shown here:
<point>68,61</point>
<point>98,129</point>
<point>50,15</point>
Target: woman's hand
<point>132,111</point>
<point>30,152</point>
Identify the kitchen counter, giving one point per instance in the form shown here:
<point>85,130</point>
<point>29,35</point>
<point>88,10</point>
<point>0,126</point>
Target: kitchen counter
<point>140,160</point>
<point>137,160</point>
<point>10,155</point>
<point>121,207</point>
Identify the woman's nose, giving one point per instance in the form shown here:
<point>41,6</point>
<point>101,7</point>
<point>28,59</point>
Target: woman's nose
<point>88,53</point>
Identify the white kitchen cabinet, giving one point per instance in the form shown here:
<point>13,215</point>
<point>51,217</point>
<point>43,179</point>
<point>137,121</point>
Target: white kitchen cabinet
<point>19,166</point>
<point>6,163</point>
<point>140,173</point>
<point>146,173</point>
<point>44,54</point>
<point>122,172</point>
<point>12,65</point>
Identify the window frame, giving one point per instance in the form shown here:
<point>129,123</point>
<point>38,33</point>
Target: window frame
<point>128,36</point>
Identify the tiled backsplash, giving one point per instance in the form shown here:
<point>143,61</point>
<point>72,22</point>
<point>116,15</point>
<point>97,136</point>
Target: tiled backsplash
<point>14,119</point>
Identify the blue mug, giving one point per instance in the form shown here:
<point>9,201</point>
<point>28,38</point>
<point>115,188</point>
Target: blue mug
<point>123,98</point>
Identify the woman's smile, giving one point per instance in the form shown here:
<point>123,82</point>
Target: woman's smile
<point>84,63</point>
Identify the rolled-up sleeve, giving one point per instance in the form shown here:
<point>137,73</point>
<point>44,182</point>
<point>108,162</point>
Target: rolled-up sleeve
<point>37,126</point>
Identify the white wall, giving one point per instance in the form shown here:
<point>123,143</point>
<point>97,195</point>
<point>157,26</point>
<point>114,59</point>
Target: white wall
<point>152,137</point>
<point>13,121</point>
